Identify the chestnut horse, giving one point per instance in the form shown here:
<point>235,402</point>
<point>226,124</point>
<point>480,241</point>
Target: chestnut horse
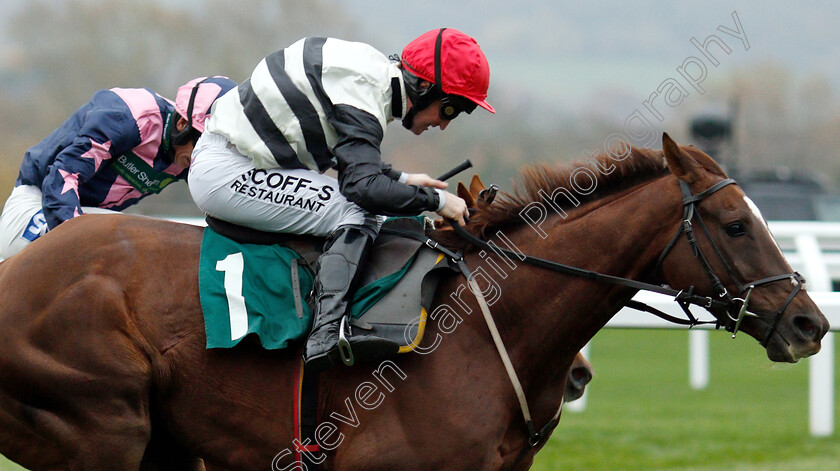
<point>103,365</point>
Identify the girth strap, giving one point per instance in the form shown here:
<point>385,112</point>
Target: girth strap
<point>534,437</point>
<point>307,451</point>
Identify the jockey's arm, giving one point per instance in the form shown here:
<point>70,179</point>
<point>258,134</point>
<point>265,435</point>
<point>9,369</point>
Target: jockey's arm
<point>364,179</point>
<point>103,133</point>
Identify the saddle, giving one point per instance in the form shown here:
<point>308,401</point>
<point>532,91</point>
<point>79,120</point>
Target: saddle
<point>392,299</point>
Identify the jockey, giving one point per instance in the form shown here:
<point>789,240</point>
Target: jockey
<point>321,104</point>
<point>120,147</point>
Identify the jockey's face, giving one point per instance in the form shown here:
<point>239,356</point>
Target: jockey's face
<point>183,153</point>
<point>428,118</point>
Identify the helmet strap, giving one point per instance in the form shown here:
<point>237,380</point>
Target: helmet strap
<point>408,119</point>
<point>420,98</point>
<point>183,136</point>
<point>168,154</point>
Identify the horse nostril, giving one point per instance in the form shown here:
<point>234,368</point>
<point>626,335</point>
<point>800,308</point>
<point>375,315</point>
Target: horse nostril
<point>806,327</point>
<point>581,376</point>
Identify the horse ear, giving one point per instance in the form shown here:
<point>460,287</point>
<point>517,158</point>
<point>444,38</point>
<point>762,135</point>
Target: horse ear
<point>680,163</point>
<point>465,195</point>
<point>476,185</point>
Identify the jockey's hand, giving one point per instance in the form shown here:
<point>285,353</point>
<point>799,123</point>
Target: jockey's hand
<point>421,179</point>
<point>455,208</point>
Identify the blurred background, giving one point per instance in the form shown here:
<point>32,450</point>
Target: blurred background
<point>565,75</point>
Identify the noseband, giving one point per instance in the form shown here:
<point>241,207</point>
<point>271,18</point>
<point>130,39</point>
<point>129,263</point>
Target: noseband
<point>733,324</point>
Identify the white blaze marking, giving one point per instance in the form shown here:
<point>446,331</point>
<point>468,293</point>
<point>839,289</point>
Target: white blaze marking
<point>755,210</point>
<point>757,213</point>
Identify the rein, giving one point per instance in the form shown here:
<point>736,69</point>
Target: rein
<point>683,297</point>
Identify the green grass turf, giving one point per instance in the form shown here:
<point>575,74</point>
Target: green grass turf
<point>642,414</point>
<point>6,465</point>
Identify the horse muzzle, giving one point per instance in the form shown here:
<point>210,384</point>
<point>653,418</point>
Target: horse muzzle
<point>796,335</point>
<point>580,374</point>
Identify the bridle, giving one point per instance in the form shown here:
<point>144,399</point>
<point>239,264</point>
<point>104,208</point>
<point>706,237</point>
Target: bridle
<point>732,324</point>
<point>723,301</point>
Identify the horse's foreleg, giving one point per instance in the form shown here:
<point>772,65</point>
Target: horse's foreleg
<point>77,377</point>
<point>19,444</point>
<point>65,418</point>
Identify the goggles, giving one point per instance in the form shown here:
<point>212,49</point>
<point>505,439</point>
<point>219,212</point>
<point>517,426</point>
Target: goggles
<point>453,105</point>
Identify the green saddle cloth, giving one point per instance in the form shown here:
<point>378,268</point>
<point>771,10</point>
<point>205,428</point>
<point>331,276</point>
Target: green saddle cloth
<point>262,289</point>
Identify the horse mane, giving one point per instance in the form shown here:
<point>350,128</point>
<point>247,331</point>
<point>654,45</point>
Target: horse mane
<point>537,181</point>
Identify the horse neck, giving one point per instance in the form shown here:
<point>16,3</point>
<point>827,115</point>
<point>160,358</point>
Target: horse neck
<point>546,317</point>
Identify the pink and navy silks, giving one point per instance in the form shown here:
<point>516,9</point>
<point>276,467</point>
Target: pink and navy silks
<point>110,153</point>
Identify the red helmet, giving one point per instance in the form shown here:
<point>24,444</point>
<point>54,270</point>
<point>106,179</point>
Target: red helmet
<point>453,60</point>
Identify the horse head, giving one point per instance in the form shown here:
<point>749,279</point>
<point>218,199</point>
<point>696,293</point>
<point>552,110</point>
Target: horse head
<point>723,248</point>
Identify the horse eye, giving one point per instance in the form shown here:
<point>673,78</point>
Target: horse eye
<point>736,229</point>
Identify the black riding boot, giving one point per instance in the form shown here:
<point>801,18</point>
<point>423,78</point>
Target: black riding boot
<point>336,271</point>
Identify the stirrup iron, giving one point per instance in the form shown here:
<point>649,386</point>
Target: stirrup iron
<point>343,345</point>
